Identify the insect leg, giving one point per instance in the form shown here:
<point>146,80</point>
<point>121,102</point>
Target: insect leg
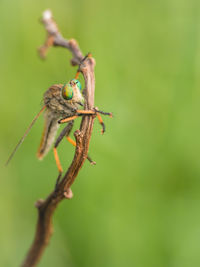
<point>95,112</point>
<point>102,123</point>
<point>71,141</point>
<point>68,119</point>
<point>100,118</point>
<point>64,132</point>
<point>78,113</point>
<point>103,113</point>
<point>85,112</point>
<point>92,112</point>
<point>57,160</point>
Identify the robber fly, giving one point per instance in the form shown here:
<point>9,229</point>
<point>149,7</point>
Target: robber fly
<point>62,103</point>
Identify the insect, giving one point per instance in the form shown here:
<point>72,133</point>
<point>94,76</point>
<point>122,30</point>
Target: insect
<point>62,104</point>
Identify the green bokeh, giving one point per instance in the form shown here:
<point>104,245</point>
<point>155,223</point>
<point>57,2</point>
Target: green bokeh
<point>139,206</point>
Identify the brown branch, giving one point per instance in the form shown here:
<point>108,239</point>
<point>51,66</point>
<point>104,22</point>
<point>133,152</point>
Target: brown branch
<point>47,207</point>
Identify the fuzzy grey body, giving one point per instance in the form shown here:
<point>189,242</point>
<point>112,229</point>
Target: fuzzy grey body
<point>56,108</point>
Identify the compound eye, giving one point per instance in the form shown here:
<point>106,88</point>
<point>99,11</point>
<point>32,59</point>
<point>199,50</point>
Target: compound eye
<point>67,91</point>
<point>78,84</point>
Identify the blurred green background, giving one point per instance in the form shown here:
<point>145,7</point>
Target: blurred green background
<point>140,205</point>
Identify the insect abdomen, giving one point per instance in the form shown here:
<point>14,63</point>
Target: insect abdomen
<point>50,129</point>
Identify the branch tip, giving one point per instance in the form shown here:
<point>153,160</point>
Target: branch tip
<point>47,14</point>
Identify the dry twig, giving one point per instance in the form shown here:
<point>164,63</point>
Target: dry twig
<point>47,207</point>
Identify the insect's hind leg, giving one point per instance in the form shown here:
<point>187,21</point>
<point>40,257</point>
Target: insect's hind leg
<point>65,131</point>
<point>71,141</point>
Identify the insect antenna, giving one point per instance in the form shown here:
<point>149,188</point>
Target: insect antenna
<point>24,136</point>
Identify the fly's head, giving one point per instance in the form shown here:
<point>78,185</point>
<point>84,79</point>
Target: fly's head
<point>71,92</point>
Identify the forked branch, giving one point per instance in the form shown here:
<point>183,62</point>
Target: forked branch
<point>47,207</point>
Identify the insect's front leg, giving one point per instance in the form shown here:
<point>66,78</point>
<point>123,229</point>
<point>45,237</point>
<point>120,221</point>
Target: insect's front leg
<point>67,119</point>
<point>100,118</point>
<point>91,112</point>
<point>96,112</point>
<point>76,115</point>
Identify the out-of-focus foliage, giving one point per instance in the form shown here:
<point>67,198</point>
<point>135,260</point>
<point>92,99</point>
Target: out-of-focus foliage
<point>139,206</point>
